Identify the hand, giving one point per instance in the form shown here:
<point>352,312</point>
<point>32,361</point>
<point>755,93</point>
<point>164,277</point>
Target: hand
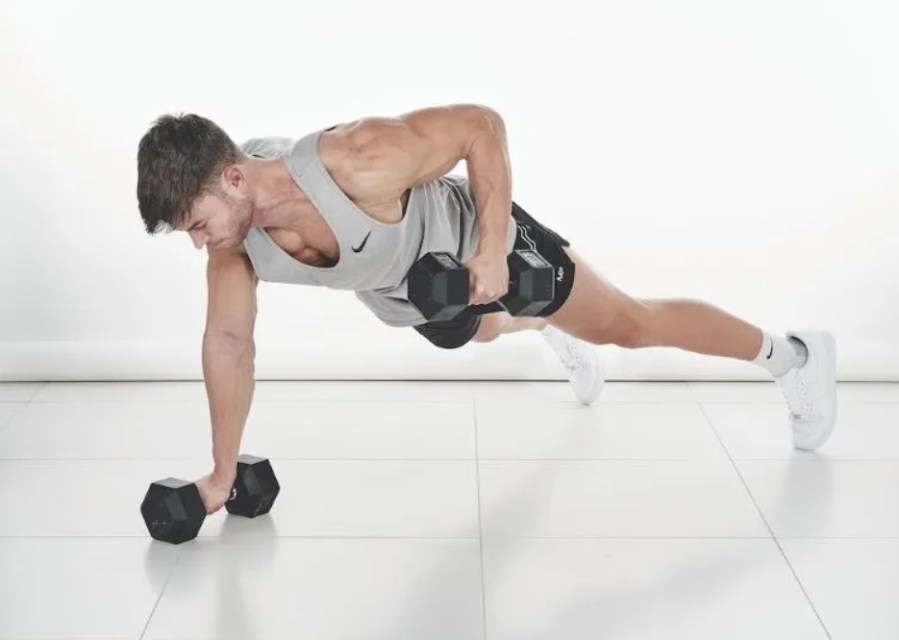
<point>489,276</point>
<point>215,489</point>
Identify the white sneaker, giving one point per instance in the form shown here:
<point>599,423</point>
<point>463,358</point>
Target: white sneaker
<point>811,390</point>
<point>581,360</point>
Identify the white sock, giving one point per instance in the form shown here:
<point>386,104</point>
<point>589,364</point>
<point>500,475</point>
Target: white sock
<point>779,354</point>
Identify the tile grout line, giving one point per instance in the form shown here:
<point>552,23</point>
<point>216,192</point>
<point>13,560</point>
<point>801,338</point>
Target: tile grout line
<point>765,520</point>
<point>25,404</point>
<point>159,599</point>
<point>477,475</point>
<point>209,539</point>
<point>559,460</point>
<point>477,460</point>
<point>40,388</point>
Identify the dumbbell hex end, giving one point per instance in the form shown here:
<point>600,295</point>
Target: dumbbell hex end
<point>438,286</point>
<point>255,487</point>
<point>173,510</point>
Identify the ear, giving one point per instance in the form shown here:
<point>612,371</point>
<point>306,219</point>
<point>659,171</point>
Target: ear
<point>234,180</point>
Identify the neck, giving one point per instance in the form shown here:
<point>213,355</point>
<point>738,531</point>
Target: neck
<point>276,197</point>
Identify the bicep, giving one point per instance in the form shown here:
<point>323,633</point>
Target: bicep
<point>231,303</point>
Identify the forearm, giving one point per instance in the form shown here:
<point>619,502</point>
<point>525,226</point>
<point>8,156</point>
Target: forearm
<point>490,176</point>
<point>229,374</point>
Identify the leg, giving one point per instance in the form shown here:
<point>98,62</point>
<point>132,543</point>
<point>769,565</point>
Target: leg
<point>593,310</point>
<point>803,363</point>
<point>494,325</point>
<point>585,371</point>
<point>598,312</point>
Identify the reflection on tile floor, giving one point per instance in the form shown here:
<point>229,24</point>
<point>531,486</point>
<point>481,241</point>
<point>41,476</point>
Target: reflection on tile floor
<point>456,510</point>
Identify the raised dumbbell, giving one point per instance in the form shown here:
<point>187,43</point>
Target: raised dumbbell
<point>438,286</point>
<point>173,509</point>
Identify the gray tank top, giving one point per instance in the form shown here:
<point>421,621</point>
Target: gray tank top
<point>374,256</point>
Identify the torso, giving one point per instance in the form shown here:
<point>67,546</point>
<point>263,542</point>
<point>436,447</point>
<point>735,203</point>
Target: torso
<point>311,241</point>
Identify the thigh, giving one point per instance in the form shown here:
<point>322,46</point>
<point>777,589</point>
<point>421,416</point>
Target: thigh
<point>596,310</point>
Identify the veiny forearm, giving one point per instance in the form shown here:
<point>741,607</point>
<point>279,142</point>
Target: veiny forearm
<point>490,176</point>
<point>229,374</point>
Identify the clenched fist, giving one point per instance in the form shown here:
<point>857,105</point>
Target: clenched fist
<point>215,491</point>
<point>488,276</point>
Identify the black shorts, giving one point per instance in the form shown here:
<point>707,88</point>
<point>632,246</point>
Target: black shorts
<point>452,334</point>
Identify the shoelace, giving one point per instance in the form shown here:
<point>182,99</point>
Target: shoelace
<point>799,403</point>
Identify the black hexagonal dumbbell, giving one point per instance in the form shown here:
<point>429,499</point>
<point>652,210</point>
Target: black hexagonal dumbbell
<point>438,286</point>
<point>173,509</point>
<point>255,487</point>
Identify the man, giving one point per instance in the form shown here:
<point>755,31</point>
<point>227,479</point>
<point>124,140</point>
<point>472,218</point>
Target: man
<point>354,205</point>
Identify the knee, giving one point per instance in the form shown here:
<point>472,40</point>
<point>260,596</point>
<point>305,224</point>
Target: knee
<point>634,329</point>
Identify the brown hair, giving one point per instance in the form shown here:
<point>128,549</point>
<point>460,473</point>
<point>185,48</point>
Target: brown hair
<point>179,159</point>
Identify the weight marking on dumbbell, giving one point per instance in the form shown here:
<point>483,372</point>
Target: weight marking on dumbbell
<point>533,258</point>
<point>445,261</point>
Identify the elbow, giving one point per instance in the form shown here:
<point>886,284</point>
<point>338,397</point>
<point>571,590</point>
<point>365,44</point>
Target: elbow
<point>482,116</point>
<point>492,120</point>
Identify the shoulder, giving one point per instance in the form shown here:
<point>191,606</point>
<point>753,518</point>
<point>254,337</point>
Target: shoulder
<point>367,150</point>
<point>374,159</point>
<point>362,138</point>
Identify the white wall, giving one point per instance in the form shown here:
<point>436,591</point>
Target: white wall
<point>741,153</point>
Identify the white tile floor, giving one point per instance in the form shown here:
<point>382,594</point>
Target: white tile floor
<point>462,511</point>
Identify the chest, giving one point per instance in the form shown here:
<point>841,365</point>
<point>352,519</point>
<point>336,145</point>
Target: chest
<point>311,241</point>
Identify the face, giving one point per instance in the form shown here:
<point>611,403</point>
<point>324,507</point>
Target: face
<point>221,220</point>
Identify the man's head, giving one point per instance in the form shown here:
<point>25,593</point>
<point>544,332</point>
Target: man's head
<point>191,177</point>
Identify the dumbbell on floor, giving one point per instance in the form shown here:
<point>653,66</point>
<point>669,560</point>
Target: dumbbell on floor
<point>438,286</point>
<point>173,509</point>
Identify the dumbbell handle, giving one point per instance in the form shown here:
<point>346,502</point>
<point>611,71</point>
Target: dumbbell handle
<point>490,307</point>
<point>530,256</point>
<point>452,293</point>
